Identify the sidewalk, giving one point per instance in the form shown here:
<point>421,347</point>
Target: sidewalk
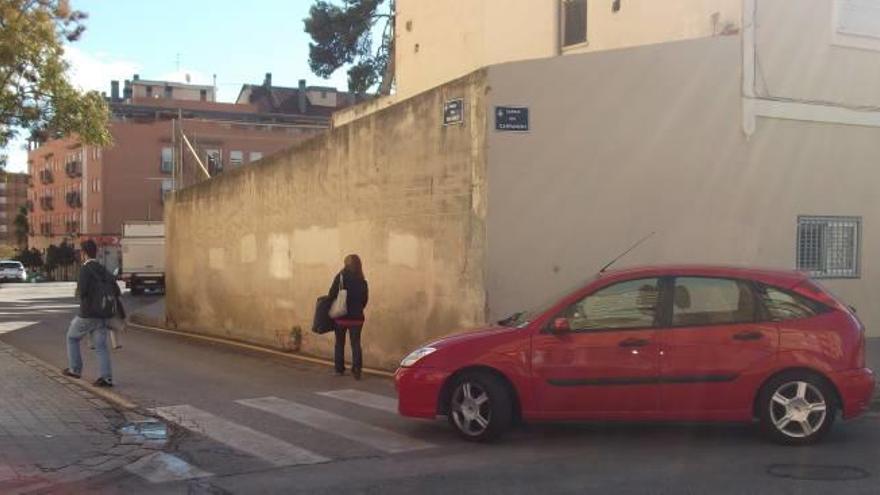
<point>54,432</point>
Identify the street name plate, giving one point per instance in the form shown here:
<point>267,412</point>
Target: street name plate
<point>453,112</point>
<point>514,119</point>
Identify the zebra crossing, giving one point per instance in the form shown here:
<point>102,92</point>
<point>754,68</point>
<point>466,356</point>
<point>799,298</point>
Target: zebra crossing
<point>275,451</point>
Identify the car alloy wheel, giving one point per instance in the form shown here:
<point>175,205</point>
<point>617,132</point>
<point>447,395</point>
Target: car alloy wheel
<point>471,409</point>
<point>798,409</point>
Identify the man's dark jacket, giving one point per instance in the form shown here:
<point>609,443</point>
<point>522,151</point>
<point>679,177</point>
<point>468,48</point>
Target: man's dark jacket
<point>90,274</point>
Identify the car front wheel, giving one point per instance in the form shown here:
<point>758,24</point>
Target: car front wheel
<point>797,408</point>
<point>480,408</point>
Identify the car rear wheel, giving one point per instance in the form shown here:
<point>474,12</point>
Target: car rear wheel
<point>480,408</point>
<point>797,408</point>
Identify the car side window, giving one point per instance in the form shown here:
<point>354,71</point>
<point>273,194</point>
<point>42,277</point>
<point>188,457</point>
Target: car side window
<point>711,301</point>
<point>783,306</point>
<point>630,304</point>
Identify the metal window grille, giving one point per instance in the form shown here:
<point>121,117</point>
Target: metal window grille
<point>828,247</point>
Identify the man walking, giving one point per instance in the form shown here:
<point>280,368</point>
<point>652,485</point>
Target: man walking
<point>98,301</point>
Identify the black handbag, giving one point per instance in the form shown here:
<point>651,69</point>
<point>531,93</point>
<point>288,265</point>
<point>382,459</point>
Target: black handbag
<point>322,323</point>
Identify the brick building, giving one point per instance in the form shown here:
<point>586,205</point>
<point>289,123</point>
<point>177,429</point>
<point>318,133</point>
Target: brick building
<point>83,191</point>
<point>13,195</point>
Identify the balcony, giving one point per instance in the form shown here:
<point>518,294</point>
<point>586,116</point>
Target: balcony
<point>47,203</point>
<point>73,169</point>
<point>46,176</point>
<point>71,227</point>
<point>74,199</point>
<point>46,228</point>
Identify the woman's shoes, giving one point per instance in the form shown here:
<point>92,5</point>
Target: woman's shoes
<point>356,374</point>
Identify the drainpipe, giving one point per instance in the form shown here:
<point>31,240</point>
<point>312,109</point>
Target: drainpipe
<point>749,63</point>
<point>557,30</point>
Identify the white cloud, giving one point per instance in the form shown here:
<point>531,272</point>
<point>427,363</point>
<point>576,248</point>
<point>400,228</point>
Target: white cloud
<point>90,72</point>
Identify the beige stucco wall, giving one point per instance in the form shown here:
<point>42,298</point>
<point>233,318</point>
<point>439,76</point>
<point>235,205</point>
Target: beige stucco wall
<point>249,252</point>
<point>655,144</point>
<point>439,40</point>
<point>797,57</point>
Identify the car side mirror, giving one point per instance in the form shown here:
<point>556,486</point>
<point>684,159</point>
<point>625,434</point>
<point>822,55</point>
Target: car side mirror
<point>561,325</point>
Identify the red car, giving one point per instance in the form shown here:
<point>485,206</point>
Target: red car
<point>678,343</point>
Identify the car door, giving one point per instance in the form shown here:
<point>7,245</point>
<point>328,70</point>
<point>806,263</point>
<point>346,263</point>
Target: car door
<point>606,363</point>
<point>713,348</point>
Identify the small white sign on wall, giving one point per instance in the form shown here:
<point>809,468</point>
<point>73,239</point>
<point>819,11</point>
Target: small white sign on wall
<point>857,23</point>
<point>859,18</point>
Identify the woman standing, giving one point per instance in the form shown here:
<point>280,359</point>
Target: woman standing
<point>352,280</point>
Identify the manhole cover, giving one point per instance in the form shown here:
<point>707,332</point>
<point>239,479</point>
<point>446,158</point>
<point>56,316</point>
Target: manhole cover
<point>817,472</point>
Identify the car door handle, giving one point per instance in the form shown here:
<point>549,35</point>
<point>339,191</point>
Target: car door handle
<point>634,342</point>
<point>752,335</point>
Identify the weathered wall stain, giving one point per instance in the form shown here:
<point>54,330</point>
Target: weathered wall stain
<point>396,187</point>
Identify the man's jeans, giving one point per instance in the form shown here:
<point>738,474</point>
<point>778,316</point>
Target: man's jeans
<point>97,328</point>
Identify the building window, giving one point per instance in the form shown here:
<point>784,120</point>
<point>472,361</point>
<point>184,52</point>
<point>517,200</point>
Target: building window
<point>169,92</point>
<point>236,158</point>
<point>214,161</point>
<point>615,6</point>
<point>828,247</point>
<point>203,95</point>
<point>167,163</point>
<point>574,22</point>
<point>256,155</point>
<point>149,91</point>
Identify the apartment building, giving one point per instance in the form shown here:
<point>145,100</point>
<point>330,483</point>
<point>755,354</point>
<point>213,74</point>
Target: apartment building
<point>162,140</point>
<point>13,196</point>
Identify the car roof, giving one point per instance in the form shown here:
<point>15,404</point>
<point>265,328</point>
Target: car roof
<point>786,278</point>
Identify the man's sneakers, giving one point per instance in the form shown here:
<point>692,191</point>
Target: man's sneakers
<point>103,382</point>
<point>69,372</point>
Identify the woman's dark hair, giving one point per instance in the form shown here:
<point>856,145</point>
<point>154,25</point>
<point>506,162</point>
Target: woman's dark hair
<point>90,248</point>
<point>353,265</point>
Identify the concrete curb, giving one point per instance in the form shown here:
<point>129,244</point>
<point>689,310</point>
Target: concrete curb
<point>251,347</point>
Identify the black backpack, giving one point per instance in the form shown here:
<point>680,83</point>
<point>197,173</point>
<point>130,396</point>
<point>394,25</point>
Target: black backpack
<point>101,301</point>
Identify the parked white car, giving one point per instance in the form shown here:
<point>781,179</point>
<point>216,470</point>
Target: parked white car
<point>12,270</point>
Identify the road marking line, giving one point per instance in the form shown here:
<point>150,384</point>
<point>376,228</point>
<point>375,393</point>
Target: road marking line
<point>161,468</point>
<point>268,448</point>
<point>373,436</point>
<point>11,326</point>
<point>375,401</point>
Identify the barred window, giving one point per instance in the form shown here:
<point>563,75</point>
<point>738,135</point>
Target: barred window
<point>828,247</point>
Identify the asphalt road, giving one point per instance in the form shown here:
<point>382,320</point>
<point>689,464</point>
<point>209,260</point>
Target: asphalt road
<point>256,424</point>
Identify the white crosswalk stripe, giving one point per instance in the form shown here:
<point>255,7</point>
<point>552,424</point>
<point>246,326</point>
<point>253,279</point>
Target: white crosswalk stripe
<point>375,437</point>
<point>11,326</point>
<point>242,438</point>
<point>375,401</point>
<point>161,468</point>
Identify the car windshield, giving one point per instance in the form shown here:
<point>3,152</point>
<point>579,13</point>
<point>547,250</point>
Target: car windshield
<point>523,318</point>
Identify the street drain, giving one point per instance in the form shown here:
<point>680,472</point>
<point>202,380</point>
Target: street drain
<point>817,472</point>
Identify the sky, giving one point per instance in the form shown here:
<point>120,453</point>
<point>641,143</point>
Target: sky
<point>166,40</point>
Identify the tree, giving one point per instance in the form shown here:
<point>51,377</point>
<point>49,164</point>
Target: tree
<point>343,35</point>
<point>22,226</point>
<point>35,93</point>
<point>30,258</point>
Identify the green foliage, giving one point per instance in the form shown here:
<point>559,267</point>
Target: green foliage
<point>35,93</point>
<point>30,258</point>
<point>343,35</point>
<point>60,256</point>
<point>22,226</point>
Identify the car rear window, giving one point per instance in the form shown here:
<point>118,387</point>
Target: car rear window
<point>10,264</point>
<point>782,305</point>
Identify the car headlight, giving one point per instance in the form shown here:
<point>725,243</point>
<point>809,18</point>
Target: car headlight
<point>415,356</point>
